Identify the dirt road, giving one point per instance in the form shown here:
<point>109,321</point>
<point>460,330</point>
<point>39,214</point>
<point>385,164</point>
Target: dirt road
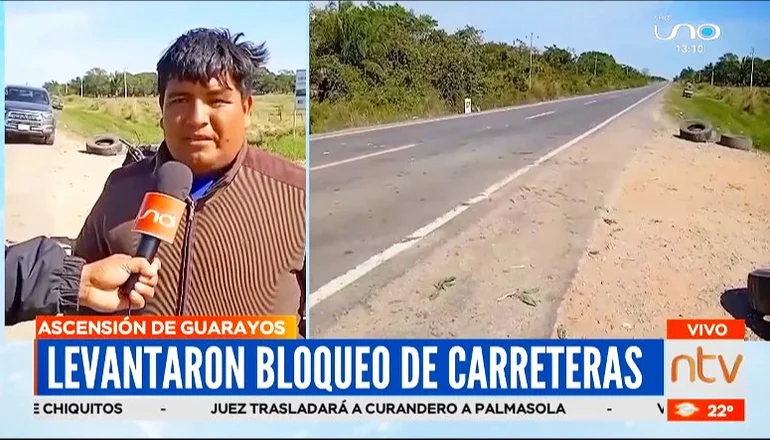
<point>49,191</point>
<point>504,269</point>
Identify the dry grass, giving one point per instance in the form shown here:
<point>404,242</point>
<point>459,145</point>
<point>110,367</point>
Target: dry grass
<point>137,120</point>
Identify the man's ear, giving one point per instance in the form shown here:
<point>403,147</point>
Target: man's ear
<point>248,103</point>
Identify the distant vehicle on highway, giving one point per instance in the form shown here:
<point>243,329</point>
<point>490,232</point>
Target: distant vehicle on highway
<point>57,103</point>
<point>29,114</point>
<point>687,91</point>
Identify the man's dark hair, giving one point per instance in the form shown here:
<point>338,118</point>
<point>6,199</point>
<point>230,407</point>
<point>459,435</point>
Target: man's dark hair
<point>202,54</point>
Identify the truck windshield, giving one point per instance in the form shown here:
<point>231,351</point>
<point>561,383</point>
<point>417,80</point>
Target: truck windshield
<point>26,95</point>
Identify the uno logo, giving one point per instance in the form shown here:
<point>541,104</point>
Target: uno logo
<point>159,216</point>
<point>165,220</point>
<point>705,32</point>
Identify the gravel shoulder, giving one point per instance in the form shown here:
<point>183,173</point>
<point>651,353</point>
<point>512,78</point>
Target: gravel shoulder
<point>688,224</point>
<point>49,191</point>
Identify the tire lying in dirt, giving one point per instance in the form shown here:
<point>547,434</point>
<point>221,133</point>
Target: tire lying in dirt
<point>696,130</point>
<point>759,291</point>
<point>737,141</point>
<point>105,145</point>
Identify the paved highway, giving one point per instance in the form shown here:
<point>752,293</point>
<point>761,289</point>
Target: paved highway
<point>372,189</point>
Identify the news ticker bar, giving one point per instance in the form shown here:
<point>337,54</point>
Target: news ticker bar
<point>389,408</point>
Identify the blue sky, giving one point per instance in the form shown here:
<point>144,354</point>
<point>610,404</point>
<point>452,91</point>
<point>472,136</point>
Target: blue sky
<point>71,37</point>
<point>61,40</point>
<point>624,29</point>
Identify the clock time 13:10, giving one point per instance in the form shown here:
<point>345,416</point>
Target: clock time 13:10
<point>689,48</point>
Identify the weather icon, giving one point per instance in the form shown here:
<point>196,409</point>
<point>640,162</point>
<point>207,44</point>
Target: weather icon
<point>686,409</point>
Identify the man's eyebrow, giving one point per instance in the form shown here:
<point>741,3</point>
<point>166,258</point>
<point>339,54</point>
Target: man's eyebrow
<point>177,94</point>
<point>220,92</point>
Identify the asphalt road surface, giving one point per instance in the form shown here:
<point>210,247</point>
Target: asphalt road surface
<point>370,190</point>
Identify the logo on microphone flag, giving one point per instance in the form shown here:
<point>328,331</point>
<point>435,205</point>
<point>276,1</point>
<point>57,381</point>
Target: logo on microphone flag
<point>159,216</point>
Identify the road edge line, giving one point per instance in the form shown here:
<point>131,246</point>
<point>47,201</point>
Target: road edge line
<point>352,131</point>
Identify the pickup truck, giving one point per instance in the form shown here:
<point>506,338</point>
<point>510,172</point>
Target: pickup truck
<point>29,114</point>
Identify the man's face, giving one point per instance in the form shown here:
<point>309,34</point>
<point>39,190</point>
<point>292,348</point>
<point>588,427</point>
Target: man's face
<point>205,124</point>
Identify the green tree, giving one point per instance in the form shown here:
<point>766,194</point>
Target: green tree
<point>373,63</point>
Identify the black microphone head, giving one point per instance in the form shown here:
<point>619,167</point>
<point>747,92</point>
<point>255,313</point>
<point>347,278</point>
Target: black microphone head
<point>175,180</point>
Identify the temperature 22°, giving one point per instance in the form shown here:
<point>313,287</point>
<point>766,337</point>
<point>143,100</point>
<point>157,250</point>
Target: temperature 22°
<point>725,410</point>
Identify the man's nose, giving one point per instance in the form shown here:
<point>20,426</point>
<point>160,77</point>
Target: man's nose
<point>198,114</point>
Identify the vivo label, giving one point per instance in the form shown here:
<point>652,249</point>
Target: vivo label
<point>165,220</point>
<point>705,32</point>
<point>701,330</point>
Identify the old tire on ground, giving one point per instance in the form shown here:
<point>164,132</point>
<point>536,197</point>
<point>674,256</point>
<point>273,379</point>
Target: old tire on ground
<point>759,291</point>
<point>695,130</point>
<point>737,141</point>
<point>105,145</point>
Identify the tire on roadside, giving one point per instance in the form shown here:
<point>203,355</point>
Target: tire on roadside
<point>758,285</point>
<point>696,130</point>
<point>736,141</point>
<point>105,145</point>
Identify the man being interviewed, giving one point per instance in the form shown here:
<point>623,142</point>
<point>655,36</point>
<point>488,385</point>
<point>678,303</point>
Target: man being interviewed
<point>240,247</point>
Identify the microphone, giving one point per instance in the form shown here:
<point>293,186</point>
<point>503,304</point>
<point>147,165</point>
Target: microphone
<point>161,212</point>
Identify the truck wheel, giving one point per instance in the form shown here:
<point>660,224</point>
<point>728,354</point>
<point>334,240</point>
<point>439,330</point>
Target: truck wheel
<point>50,139</point>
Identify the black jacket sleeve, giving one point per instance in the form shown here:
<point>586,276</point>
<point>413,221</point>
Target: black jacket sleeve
<point>40,279</point>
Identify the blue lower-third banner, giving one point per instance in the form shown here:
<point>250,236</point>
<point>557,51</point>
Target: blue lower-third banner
<point>237,367</point>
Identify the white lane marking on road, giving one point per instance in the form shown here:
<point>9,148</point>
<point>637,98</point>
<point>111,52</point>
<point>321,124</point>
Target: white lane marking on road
<point>446,118</point>
<point>342,281</point>
<point>362,157</point>
<point>590,102</point>
<point>540,115</point>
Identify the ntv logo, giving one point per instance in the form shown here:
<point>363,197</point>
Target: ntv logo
<point>705,32</point>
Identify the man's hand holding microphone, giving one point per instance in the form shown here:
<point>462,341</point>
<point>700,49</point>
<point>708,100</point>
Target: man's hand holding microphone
<point>101,281</point>
<point>120,282</point>
<point>41,279</point>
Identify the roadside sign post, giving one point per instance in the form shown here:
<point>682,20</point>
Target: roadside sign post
<point>300,96</point>
<point>467,105</point>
